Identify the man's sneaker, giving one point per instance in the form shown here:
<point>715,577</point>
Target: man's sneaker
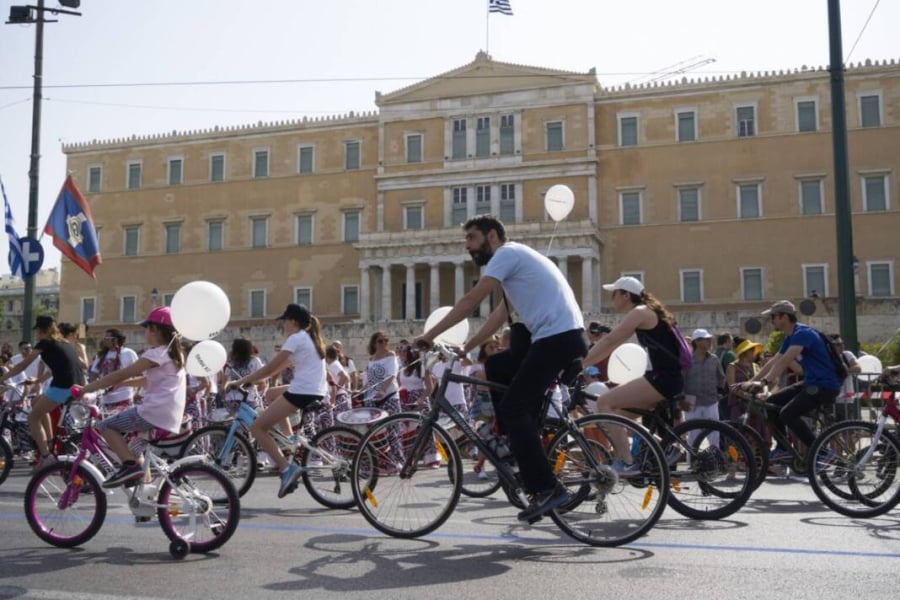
<point>673,455</point>
<point>289,478</point>
<point>824,459</point>
<point>625,469</point>
<point>544,502</point>
<point>128,473</point>
<point>780,454</point>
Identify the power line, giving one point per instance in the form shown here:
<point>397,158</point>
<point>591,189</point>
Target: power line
<point>866,24</point>
<point>15,103</point>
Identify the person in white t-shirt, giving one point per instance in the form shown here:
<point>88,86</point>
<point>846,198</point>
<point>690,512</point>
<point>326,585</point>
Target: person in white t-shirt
<point>455,392</point>
<point>112,357</point>
<point>845,408</point>
<point>160,372</point>
<point>304,349</point>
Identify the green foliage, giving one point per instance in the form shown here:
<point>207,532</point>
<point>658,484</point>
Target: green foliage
<point>890,355</point>
<point>774,343</point>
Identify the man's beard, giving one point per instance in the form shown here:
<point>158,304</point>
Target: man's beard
<point>482,255</point>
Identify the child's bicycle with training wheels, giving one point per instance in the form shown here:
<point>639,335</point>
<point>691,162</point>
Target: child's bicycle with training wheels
<point>197,505</point>
<point>324,461</point>
<point>854,466</point>
<point>420,471</point>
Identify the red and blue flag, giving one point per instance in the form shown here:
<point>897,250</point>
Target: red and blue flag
<point>72,228</point>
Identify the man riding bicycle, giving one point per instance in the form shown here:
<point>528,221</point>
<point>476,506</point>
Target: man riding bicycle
<point>820,384</point>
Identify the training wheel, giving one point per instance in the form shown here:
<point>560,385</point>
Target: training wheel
<point>179,548</point>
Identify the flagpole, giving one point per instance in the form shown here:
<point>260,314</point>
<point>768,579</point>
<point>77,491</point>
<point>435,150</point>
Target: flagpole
<point>487,28</point>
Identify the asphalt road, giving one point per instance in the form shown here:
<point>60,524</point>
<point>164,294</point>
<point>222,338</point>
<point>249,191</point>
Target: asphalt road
<point>783,544</point>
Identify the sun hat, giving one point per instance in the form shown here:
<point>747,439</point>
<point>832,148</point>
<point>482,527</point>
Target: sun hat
<point>628,284</point>
<point>748,345</point>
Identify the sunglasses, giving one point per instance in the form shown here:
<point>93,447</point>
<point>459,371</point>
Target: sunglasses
<point>383,341</point>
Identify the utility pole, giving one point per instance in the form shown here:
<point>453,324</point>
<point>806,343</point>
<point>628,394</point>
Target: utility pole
<point>842,214</point>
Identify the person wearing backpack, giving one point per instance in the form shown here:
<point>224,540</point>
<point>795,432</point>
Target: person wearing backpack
<point>821,380</point>
<point>654,326</point>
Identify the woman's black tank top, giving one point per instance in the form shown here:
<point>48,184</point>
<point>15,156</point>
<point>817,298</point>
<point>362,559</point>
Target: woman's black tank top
<point>661,335</point>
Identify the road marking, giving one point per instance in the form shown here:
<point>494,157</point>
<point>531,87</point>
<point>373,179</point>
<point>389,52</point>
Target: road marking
<point>20,593</point>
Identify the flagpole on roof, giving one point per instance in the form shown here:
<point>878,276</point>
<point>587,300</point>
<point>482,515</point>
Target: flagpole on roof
<point>487,28</point>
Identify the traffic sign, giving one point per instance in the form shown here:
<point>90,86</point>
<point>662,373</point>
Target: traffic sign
<point>32,256</point>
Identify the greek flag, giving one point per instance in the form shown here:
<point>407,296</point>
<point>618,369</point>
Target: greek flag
<point>500,6</point>
<point>16,264</point>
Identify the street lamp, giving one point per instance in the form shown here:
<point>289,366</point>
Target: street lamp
<point>154,296</point>
<point>19,15</point>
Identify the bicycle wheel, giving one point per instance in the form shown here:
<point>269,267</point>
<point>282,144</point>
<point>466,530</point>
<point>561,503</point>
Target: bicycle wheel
<point>759,448</point>
<point>608,509</point>
<point>848,483</point>
<point>719,473</point>
<point>239,464</point>
<point>61,511</point>
<point>479,476</point>
<point>327,480</point>
<point>188,510</point>
<point>419,476</point>
<point>6,459</point>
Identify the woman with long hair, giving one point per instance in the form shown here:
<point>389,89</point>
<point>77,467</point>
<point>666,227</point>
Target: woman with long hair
<point>113,355</point>
<point>304,349</point>
<point>416,382</point>
<point>241,361</point>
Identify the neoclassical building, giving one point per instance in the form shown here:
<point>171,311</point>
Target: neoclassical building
<point>717,193</point>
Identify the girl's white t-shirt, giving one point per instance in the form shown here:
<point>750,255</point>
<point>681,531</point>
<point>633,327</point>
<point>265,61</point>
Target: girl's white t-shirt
<point>309,367</point>
<point>165,393</point>
<point>336,368</point>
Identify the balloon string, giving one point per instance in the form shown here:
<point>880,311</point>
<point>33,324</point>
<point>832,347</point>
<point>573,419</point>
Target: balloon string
<point>552,235</point>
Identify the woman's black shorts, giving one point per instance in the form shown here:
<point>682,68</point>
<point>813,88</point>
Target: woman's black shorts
<point>303,401</point>
<point>668,384</point>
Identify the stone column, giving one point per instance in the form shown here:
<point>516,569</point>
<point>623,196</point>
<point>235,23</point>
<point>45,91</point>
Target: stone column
<point>410,291</point>
<point>364,293</point>
<point>435,286</point>
<point>588,300</point>
<point>386,292</point>
<point>459,288</point>
<point>485,308</point>
<point>562,262</point>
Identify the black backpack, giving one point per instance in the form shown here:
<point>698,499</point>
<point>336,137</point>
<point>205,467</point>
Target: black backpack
<point>837,360</point>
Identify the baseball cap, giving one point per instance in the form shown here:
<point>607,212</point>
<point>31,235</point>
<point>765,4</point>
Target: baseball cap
<point>628,284</point>
<point>161,315</point>
<point>295,312</point>
<point>701,334</point>
<point>783,307</point>
<point>592,372</point>
<point>596,328</point>
<point>43,322</point>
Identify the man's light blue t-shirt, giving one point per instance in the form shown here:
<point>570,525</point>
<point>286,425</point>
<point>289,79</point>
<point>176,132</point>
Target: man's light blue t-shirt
<point>536,289</point>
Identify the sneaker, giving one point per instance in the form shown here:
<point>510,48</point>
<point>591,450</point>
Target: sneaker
<point>625,469</point>
<point>824,459</point>
<point>262,460</point>
<point>42,461</point>
<point>544,502</point>
<point>780,454</point>
<point>128,473</point>
<point>289,478</point>
<point>482,474</point>
<point>673,455</point>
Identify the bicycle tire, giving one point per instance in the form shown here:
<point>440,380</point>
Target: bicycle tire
<point>206,524</point>
<point>6,459</point>
<point>758,446</point>
<point>720,476</point>
<point>80,520</point>
<point>848,487</point>
<point>240,466</point>
<point>329,484</point>
<point>608,509</point>
<point>412,504</point>
<point>474,484</point>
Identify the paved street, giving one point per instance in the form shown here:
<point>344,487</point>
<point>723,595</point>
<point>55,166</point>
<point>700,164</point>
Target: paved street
<point>782,543</point>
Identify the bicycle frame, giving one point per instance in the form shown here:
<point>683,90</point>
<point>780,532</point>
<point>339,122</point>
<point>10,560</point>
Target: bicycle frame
<point>890,410</point>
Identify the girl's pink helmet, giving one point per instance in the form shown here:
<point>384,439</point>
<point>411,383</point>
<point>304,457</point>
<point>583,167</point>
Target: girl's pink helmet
<point>161,315</point>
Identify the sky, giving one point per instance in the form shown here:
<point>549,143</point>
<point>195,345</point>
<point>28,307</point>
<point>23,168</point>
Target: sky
<point>331,56</point>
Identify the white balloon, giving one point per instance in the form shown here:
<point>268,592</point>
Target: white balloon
<point>627,362</point>
<point>456,335</point>
<point>558,202</point>
<point>206,359</point>
<point>200,310</point>
<point>871,366</point>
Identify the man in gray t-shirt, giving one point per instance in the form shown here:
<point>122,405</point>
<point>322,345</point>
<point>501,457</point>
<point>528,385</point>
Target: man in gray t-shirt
<point>533,287</point>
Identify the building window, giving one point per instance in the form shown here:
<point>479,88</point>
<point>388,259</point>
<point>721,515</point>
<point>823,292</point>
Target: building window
<point>507,134</point>
<point>132,240</point>
<point>413,218</point>
<point>304,230</point>
<point>176,171</point>
<point>482,199</point>
<point>260,163</point>
<point>555,141</point>
<point>749,206</point>
<point>875,193</point>
<point>691,286</point>
<point>134,176</point>
<point>257,304</point>
<point>88,310</point>
<point>460,211</point>
<point>870,110</point>
<point>259,232</point>
<point>459,138</point>
<point>508,202</point>
<point>881,279</point>
<point>95,178</point>
<point>306,159</point>
<point>303,296</point>
<point>628,130</point>
<point>351,226</point>
<point>815,281</point>
<point>811,197</point>
<point>752,283</point>
<point>216,167</point>
<point>173,238</point>
<point>483,137</point>
<point>167,298</point>
<point>807,115</point>
<point>215,235</point>
<point>351,155</point>
<point>686,123</point>
<point>413,147</point>
<point>350,300</point>
<point>630,208</point>
<point>745,117</point>
<point>688,204</point>
<point>128,309</point>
